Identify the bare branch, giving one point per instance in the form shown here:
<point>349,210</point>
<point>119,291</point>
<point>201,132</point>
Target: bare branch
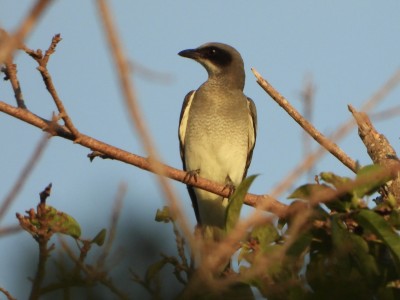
<point>113,225</point>
<point>307,126</point>
<point>265,201</point>
<point>307,99</point>
<point>9,230</point>
<point>386,114</point>
<point>7,294</point>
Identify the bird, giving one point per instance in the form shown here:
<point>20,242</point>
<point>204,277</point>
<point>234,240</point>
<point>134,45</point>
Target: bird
<point>217,129</point>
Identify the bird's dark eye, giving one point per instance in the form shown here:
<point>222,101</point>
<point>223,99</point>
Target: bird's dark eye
<point>212,51</point>
<point>218,56</point>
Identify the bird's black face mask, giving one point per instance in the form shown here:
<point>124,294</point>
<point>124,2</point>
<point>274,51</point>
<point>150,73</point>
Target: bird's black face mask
<point>217,56</point>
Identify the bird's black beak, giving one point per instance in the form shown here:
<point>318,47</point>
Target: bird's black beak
<point>190,53</point>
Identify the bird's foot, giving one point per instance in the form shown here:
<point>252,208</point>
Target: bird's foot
<point>229,185</point>
<point>191,174</point>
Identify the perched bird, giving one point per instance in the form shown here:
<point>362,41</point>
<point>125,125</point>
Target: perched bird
<point>217,129</point>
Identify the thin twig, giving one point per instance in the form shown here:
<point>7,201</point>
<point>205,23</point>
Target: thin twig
<point>26,171</point>
<point>307,126</point>
<point>9,230</point>
<point>8,45</point>
<point>42,236</point>
<point>113,225</point>
<point>10,70</point>
<point>91,272</point>
<point>42,61</point>
<point>307,100</point>
<point>7,294</point>
<point>386,114</point>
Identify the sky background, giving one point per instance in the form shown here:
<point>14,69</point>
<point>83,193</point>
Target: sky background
<point>348,48</point>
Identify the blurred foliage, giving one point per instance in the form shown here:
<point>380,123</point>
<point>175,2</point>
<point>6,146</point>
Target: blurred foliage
<point>329,245</point>
<point>335,247</point>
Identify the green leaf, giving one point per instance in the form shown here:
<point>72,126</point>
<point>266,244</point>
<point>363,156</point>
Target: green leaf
<point>394,219</point>
<point>236,202</point>
<point>381,228</point>
<point>335,180</point>
<point>100,237</point>
<point>163,215</point>
<point>338,205</point>
<point>265,235</point>
<point>346,242</point>
<point>62,223</point>
<point>299,245</point>
<point>367,174</point>
<point>307,191</point>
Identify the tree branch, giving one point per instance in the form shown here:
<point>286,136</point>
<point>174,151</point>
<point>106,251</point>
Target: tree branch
<point>334,149</point>
<point>265,201</point>
<point>378,147</point>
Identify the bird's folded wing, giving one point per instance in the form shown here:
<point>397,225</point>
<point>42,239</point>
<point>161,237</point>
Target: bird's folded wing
<point>252,132</point>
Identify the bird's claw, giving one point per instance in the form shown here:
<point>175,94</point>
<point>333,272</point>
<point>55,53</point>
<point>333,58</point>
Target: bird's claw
<point>229,186</point>
<point>191,174</point>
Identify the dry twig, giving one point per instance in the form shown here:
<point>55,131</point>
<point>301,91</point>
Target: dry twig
<point>7,294</point>
<point>307,126</point>
<point>113,225</point>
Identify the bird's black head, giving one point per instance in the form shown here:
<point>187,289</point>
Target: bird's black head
<point>218,59</point>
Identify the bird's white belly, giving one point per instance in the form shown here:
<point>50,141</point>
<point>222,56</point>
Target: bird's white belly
<point>216,159</point>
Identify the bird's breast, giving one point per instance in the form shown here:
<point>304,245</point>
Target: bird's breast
<point>217,135</point>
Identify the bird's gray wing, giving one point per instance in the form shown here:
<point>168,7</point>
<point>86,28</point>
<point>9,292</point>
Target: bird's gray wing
<point>183,119</point>
<point>252,133</point>
<point>183,123</point>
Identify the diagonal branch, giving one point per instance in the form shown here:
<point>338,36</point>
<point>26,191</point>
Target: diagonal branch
<point>334,149</point>
<point>265,201</point>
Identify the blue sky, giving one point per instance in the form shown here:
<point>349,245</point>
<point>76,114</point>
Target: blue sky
<point>348,48</point>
